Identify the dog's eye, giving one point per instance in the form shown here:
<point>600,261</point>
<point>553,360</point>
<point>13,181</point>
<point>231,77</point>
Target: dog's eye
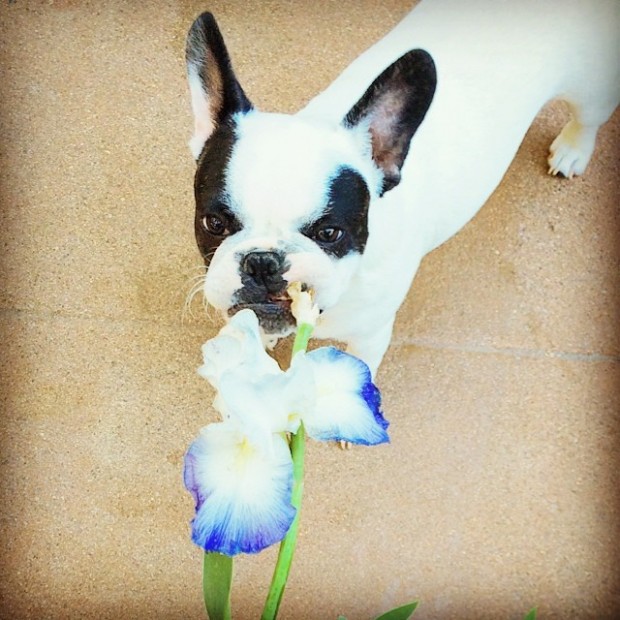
<point>329,234</point>
<point>216,225</point>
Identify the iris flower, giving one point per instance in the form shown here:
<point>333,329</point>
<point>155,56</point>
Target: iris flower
<point>239,470</point>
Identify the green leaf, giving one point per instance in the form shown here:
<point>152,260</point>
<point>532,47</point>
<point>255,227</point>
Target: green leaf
<point>216,584</point>
<point>399,613</point>
<point>531,614</point>
<point>341,618</point>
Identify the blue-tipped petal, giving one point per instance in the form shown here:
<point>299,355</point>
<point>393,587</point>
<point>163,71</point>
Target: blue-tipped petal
<point>347,405</point>
<point>242,492</point>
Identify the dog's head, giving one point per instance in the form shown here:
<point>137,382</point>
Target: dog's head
<point>283,198</point>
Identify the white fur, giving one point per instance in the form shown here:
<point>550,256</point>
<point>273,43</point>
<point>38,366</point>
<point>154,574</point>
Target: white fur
<point>497,64</point>
<point>274,201</point>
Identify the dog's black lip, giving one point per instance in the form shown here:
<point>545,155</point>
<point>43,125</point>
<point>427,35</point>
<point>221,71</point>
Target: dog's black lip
<point>274,313</point>
<point>275,317</point>
<point>275,307</point>
<point>266,305</point>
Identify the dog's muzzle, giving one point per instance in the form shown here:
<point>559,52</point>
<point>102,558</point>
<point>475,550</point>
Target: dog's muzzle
<point>263,290</point>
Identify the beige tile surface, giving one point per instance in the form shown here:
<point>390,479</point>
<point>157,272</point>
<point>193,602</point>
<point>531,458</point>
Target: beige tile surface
<point>500,489</point>
<point>541,260</point>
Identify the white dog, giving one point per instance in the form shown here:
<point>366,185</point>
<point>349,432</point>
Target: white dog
<point>391,160</point>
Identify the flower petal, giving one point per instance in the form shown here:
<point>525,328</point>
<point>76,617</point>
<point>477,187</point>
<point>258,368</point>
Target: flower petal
<point>238,345</point>
<point>303,307</point>
<point>262,405</point>
<point>348,404</point>
<point>242,493</point>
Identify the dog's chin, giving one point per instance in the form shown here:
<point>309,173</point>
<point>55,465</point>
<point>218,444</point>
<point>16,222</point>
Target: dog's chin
<point>275,317</point>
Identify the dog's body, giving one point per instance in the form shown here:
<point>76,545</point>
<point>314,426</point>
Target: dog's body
<point>391,160</point>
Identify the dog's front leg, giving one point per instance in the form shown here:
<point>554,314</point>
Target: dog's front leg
<point>371,346</point>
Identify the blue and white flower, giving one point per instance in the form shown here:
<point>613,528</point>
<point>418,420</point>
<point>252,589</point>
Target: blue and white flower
<point>240,471</point>
<point>347,404</point>
<point>242,490</point>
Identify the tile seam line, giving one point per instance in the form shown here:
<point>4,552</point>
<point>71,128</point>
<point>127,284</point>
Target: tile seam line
<point>420,343</point>
<point>510,351</point>
<point>61,316</point>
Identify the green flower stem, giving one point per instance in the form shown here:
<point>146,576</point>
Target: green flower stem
<point>302,337</point>
<point>289,542</point>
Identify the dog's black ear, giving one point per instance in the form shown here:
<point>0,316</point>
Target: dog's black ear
<point>215,92</point>
<point>392,109</point>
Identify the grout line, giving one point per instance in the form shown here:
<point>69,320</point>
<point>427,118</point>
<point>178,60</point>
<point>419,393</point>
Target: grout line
<point>421,343</point>
<point>511,351</point>
<point>51,315</point>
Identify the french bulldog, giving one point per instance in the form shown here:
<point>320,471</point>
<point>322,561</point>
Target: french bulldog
<point>391,160</point>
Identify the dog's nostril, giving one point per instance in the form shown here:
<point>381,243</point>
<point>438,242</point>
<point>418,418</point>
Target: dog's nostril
<point>260,264</point>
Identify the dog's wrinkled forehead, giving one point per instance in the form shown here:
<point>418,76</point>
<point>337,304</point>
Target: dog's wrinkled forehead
<point>277,171</point>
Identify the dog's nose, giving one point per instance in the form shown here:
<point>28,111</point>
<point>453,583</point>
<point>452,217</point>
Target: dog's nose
<point>262,264</point>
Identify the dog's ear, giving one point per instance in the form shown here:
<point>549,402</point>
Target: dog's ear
<point>392,109</point>
<point>215,92</point>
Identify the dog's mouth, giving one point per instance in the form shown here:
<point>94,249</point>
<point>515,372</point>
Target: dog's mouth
<point>274,313</point>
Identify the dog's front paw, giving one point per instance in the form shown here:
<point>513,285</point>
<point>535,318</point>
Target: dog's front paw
<point>571,150</point>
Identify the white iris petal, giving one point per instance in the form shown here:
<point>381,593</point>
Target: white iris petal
<point>347,405</point>
<point>242,491</point>
<point>260,407</point>
<point>238,346</point>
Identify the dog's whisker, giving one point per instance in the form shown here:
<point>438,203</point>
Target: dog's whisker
<point>196,287</point>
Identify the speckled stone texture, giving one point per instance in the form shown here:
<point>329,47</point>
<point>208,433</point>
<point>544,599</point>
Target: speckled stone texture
<point>500,489</point>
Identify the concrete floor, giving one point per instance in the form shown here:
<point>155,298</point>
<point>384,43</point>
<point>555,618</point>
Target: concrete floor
<point>500,488</point>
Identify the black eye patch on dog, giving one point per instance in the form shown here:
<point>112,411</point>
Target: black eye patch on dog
<point>214,221</point>
<point>342,227</point>
<point>210,176</point>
